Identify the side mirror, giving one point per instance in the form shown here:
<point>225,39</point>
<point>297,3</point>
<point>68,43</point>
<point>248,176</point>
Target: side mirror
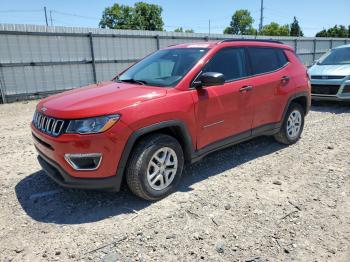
<point>210,79</point>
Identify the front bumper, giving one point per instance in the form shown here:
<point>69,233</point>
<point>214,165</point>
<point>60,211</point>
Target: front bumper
<point>331,90</point>
<point>52,152</point>
<point>56,173</point>
<point>330,98</point>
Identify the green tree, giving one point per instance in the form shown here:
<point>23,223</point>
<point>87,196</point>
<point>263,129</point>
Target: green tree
<point>295,29</point>
<point>180,30</point>
<point>322,33</point>
<point>274,29</point>
<point>335,31</point>
<point>117,17</point>
<point>142,16</point>
<point>241,23</point>
<point>349,31</point>
<point>228,30</point>
<point>148,16</point>
<point>340,31</point>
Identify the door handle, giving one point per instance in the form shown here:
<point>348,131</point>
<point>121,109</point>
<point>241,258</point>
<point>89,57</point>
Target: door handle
<point>285,79</point>
<point>245,89</point>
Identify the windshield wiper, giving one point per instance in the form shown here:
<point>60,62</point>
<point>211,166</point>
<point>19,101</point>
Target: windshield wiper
<point>131,80</point>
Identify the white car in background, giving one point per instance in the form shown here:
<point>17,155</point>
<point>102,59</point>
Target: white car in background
<point>330,75</point>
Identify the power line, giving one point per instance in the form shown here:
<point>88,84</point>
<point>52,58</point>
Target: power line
<point>75,15</point>
<point>195,27</point>
<point>289,19</point>
<point>20,11</point>
<point>289,16</point>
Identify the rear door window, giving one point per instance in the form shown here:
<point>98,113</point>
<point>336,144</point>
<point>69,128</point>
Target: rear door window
<point>264,60</point>
<point>231,62</point>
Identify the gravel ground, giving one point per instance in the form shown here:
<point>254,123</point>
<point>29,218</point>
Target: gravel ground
<point>258,201</point>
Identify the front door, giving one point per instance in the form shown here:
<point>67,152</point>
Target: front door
<point>226,110</point>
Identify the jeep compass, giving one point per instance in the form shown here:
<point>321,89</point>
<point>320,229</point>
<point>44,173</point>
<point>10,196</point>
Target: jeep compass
<point>173,107</point>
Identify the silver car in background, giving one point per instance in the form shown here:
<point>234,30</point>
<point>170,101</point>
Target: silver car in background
<point>330,75</point>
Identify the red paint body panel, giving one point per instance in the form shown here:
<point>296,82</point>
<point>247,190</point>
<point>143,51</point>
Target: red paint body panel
<point>110,143</point>
<point>209,114</point>
<point>270,95</point>
<point>98,99</point>
<point>222,111</point>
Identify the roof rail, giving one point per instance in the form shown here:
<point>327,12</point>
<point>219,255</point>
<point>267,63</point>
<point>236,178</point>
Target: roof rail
<point>251,40</point>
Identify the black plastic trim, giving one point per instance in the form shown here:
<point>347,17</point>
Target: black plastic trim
<point>297,95</point>
<point>268,129</point>
<point>188,148</point>
<point>61,177</point>
<point>227,142</point>
<point>42,142</point>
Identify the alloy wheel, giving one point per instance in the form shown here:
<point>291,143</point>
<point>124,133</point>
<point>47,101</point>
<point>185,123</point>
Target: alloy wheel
<point>162,168</point>
<point>294,124</point>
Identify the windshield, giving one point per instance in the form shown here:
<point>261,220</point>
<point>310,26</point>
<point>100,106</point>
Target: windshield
<point>338,56</point>
<point>163,68</point>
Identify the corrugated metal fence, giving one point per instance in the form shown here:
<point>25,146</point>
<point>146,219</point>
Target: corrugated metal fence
<point>39,60</point>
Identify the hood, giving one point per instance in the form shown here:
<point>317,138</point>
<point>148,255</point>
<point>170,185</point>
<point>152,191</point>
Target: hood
<point>98,99</point>
<point>330,70</point>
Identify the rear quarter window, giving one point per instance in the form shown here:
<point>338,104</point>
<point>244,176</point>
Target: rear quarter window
<point>282,57</point>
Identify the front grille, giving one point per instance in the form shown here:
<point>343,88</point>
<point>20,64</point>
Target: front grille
<point>48,125</point>
<point>327,77</point>
<point>324,89</point>
<point>346,89</point>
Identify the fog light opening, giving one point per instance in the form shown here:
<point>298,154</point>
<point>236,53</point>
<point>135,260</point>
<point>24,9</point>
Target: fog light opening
<point>90,161</point>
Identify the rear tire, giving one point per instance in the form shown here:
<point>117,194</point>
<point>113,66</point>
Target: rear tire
<point>293,125</point>
<point>155,167</point>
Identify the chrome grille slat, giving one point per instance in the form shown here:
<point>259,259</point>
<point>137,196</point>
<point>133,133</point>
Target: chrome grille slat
<point>48,125</point>
<point>43,123</point>
<point>57,128</point>
<point>39,121</point>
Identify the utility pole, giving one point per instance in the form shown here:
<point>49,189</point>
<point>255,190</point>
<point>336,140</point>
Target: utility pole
<point>47,24</point>
<point>261,15</point>
<point>209,28</point>
<point>51,17</point>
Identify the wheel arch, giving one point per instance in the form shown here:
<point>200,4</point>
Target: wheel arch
<point>300,98</point>
<point>174,128</point>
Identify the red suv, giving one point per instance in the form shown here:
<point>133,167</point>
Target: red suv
<point>174,106</point>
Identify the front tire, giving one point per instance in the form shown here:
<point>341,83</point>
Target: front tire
<point>293,125</point>
<point>155,167</point>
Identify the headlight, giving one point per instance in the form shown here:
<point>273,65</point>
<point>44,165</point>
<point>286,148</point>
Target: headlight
<point>92,125</point>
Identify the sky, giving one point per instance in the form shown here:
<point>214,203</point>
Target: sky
<point>313,15</point>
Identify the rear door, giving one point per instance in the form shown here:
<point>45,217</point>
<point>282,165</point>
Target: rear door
<point>224,111</point>
<point>272,83</point>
